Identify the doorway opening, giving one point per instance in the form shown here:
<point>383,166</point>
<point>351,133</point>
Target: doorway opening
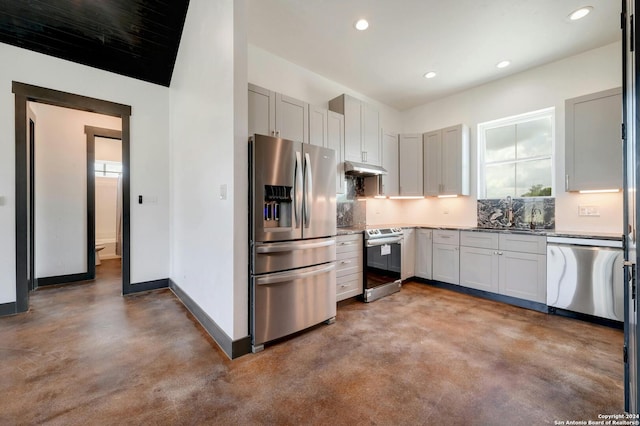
<point>25,190</point>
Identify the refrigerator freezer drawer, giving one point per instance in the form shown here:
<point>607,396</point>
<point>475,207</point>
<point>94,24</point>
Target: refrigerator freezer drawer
<point>269,257</point>
<point>287,302</point>
<point>584,279</point>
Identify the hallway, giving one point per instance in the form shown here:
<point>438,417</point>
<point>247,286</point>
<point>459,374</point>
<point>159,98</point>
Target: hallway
<point>84,354</point>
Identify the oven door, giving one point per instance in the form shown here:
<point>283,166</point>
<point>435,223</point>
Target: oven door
<point>383,259</point>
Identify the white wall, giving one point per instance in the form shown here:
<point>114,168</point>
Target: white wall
<point>106,195</point>
<point>208,243</point>
<point>275,73</point>
<point>543,87</point>
<point>61,188</point>
<point>149,154</point>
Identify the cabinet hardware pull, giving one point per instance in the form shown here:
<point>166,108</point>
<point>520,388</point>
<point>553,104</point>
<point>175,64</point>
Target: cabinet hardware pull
<point>566,182</point>
<point>346,261</point>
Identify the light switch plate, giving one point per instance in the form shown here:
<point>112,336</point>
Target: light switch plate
<point>223,191</point>
<point>588,210</point>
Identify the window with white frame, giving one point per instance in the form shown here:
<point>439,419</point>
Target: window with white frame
<point>515,156</point>
<point>111,169</point>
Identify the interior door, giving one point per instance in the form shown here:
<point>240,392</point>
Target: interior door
<point>630,146</point>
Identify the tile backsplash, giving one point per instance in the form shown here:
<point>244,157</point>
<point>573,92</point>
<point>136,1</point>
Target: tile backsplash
<point>536,212</point>
<point>351,211</point>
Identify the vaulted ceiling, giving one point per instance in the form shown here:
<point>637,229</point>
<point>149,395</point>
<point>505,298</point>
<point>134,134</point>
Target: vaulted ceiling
<point>136,38</point>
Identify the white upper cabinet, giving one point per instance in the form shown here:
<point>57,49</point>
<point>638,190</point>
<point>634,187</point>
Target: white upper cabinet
<point>278,115</point>
<point>593,143</point>
<point>361,129</point>
<point>318,126</point>
<point>446,161</point>
<point>390,181</point>
<point>335,141</point>
<point>411,159</point>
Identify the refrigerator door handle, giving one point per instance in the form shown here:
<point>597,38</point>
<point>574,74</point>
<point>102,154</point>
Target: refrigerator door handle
<point>280,277</point>
<point>282,247</point>
<point>308,190</point>
<point>297,190</point>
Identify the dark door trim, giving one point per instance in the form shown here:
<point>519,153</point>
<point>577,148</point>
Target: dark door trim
<point>27,93</point>
<point>93,132</point>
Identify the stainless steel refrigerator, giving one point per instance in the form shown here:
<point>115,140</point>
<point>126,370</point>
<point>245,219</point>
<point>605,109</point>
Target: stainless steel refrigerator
<point>292,237</point>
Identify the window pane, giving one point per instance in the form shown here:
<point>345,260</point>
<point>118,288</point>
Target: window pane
<point>500,144</point>
<point>98,167</point>
<point>533,178</point>
<point>534,138</point>
<point>113,167</point>
<point>500,180</point>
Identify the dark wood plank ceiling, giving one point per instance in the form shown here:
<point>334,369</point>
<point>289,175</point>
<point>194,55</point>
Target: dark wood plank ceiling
<point>136,38</point>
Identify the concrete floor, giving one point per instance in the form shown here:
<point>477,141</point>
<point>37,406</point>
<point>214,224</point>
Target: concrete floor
<point>85,355</point>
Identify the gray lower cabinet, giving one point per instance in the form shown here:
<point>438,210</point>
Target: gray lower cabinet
<point>408,259</point>
<point>446,256</point>
<point>349,259</point>
<point>424,253</point>
<point>509,264</point>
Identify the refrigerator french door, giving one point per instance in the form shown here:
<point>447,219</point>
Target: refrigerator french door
<point>292,239</point>
<point>631,95</point>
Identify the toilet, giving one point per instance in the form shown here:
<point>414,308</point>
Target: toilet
<point>98,248</point>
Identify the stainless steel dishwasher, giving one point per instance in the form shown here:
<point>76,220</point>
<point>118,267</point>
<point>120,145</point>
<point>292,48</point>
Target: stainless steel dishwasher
<point>585,275</point>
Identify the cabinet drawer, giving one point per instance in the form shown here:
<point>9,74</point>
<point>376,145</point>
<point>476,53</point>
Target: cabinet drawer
<point>348,286</point>
<point>488,240</point>
<point>348,243</point>
<point>523,243</point>
<point>442,236</point>
<point>348,263</point>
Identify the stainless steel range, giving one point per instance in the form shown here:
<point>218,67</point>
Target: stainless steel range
<point>382,262</point>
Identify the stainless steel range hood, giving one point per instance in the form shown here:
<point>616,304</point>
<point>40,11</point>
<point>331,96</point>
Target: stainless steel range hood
<point>362,170</point>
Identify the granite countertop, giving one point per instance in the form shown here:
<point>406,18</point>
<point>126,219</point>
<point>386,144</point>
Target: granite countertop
<point>544,232</point>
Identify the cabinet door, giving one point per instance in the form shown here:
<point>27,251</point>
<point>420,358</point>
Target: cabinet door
<point>593,145</point>
<point>455,161</point>
<point>446,263</point>
<point>370,135</point>
<point>262,117</point>
<point>390,162</point>
<point>523,275</point>
<point>292,119</point>
<point>424,250</point>
<point>335,141</point>
<point>479,268</point>
<point>352,130</point>
<point>408,254</point>
<point>411,159</point>
<point>318,126</point>
<point>432,151</point>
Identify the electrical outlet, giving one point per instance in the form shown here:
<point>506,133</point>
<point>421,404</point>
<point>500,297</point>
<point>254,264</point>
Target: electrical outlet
<point>588,210</point>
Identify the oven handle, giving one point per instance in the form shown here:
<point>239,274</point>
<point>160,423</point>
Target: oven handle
<point>383,241</point>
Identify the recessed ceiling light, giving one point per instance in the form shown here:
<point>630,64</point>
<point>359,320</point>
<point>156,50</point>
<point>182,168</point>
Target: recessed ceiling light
<point>580,13</point>
<point>503,64</point>
<point>430,74</point>
<point>361,24</point>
